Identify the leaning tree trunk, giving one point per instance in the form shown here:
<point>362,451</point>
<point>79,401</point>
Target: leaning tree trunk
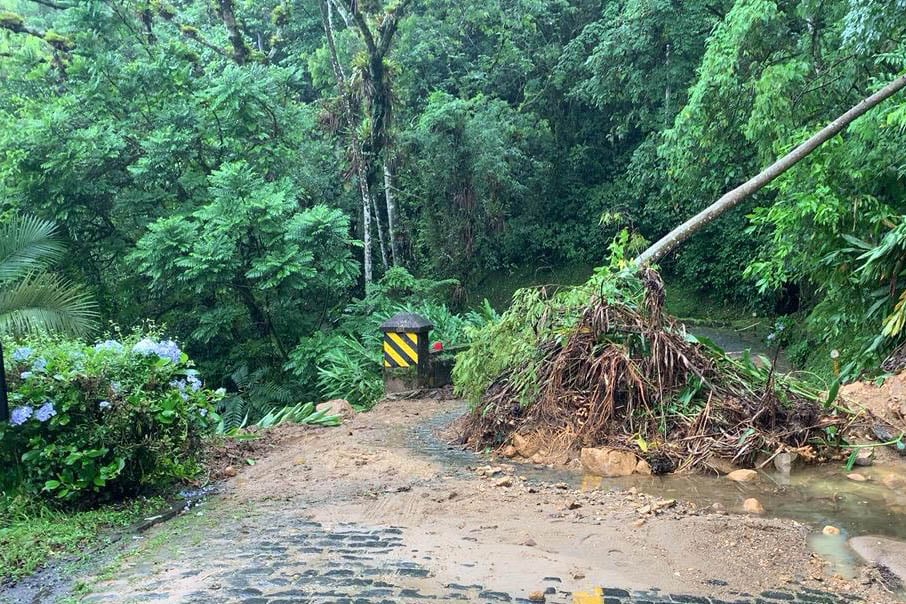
<point>733,198</point>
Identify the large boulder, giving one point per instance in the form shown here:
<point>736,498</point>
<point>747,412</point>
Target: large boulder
<point>338,406</point>
<point>604,461</point>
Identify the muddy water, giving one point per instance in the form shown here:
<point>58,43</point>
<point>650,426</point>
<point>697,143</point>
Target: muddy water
<point>816,496</point>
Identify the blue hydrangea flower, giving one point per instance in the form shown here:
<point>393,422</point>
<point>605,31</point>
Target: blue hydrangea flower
<point>111,345</point>
<point>22,354</point>
<point>145,347</point>
<point>167,349</point>
<point>179,385</point>
<point>104,405</point>
<point>20,415</point>
<point>45,412</point>
<point>39,365</point>
<point>116,387</point>
<point>25,375</point>
<point>203,412</point>
<point>193,382</point>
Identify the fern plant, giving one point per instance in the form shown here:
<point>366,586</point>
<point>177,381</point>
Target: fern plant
<point>258,392</point>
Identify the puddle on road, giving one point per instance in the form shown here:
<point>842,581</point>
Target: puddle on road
<point>816,496</point>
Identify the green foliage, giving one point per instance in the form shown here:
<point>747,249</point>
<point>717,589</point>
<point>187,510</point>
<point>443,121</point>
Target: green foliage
<point>507,348</point>
<point>33,533</point>
<point>300,413</point>
<point>347,360</point>
<point>225,189</point>
<point>93,422</point>
<point>31,299</point>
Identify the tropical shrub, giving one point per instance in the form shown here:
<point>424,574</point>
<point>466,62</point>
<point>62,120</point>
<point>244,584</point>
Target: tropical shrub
<point>346,361</point>
<point>92,422</point>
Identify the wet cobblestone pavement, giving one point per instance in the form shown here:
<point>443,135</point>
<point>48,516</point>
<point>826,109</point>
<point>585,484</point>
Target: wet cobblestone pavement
<point>383,511</point>
<point>297,560</point>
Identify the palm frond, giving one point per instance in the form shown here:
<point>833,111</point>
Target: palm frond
<point>27,245</point>
<point>45,302</point>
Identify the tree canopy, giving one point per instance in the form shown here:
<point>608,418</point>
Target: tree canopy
<point>243,170</point>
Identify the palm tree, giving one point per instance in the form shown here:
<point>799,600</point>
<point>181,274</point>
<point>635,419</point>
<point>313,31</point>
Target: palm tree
<point>32,299</point>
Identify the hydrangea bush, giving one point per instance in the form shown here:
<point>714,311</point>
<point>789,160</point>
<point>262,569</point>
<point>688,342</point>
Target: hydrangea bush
<point>90,422</point>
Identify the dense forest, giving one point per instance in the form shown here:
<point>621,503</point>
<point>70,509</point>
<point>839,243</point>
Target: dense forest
<point>265,177</point>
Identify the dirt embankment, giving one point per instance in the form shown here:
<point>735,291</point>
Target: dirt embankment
<point>489,525</point>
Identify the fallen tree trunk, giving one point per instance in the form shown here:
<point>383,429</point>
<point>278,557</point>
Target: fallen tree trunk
<point>729,200</point>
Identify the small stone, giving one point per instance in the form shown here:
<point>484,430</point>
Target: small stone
<point>855,476</point>
<point>230,471</point>
<point>509,451</point>
<point>578,574</point>
<point>742,475</point>
<point>784,462</point>
<point>537,596</point>
<point>526,446</point>
<point>573,505</point>
<point>529,542</point>
<point>662,504</point>
<point>830,531</point>
<point>506,481</point>
<point>639,523</point>
<point>718,507</point>
<point>865,457</point>
<point>752,506</point>
<point>337,406</point>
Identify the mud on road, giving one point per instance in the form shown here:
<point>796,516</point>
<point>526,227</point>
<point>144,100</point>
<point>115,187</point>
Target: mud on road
<point>378,510</point>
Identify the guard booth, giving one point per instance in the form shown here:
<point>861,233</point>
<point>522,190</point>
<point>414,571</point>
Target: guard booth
<point>408,361</point>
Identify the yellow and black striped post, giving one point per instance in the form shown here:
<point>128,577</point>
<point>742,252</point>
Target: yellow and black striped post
<point>407,362</point>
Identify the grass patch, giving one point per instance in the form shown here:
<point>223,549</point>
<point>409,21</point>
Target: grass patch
<point>34,534</point>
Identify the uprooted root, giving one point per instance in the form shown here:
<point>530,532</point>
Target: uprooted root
<point>624,377</point>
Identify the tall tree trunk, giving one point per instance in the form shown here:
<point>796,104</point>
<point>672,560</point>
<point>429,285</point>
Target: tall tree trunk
<point>391,211</point>
<point>366,226</point>
<point>355,144</point>
<point>228,15</point>
<point>733,198</point>
<point>380,232</point>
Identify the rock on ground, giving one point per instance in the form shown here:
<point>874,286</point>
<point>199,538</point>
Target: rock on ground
<point>743,475</point>
<point>752,506</point>
<point>604,461</point>
<point>338,406</point>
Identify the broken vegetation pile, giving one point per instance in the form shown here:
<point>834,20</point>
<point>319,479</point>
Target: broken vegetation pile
<point>603,365</point>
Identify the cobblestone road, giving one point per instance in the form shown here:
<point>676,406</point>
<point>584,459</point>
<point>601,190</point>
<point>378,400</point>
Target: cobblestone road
<point>225,556</point>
